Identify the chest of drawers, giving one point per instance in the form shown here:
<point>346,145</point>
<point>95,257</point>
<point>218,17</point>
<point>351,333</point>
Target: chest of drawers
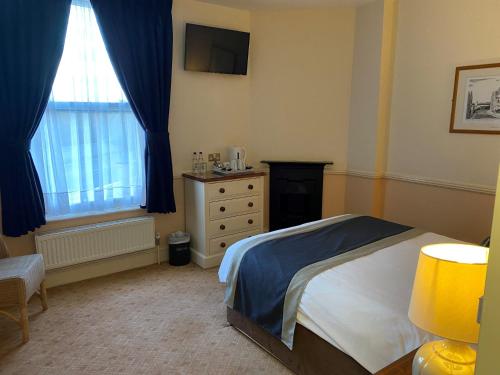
<point>221,210</point>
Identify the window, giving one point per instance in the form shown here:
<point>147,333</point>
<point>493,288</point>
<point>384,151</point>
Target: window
<point>89,147</point>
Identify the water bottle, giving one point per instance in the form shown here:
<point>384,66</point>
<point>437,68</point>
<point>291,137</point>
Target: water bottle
<point>202,166</point>
<point>195,163</point>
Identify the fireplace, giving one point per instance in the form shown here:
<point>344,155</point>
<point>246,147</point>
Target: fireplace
<point>295,192</point>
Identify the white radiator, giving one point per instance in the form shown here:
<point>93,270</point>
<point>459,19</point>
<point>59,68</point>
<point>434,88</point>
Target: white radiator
<point>86,243</point>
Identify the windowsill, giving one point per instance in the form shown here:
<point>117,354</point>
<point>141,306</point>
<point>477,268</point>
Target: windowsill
<point>90,215</point>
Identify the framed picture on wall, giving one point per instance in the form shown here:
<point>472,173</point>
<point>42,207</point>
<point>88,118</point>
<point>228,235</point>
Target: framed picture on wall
<point>476,100</point>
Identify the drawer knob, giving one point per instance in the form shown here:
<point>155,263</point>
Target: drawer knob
<point>250,204</point>
<point>250,221</point>
<point>222,190</point>
<point>250,187</point>
<point>222,227</point>
<point>222,209</point>
<point>222,244</point>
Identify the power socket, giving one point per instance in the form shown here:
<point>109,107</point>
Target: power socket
<point>214,157</point>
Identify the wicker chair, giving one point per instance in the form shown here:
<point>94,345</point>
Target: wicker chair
<point>20,278</point>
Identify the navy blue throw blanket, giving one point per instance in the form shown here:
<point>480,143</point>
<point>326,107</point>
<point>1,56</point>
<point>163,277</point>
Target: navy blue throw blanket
<point>267,269</point>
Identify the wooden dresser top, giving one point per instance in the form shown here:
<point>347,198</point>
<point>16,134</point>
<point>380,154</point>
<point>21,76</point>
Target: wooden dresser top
<point>213,177</point>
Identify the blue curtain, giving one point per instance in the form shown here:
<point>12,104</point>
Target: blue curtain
<point>138,38</point>
<point>32,36</point>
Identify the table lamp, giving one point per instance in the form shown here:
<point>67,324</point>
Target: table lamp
<point>448,284</point>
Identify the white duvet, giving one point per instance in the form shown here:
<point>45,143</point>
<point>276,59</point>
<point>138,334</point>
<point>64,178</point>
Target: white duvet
<point>361,307</point>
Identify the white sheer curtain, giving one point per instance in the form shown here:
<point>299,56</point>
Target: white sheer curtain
<point>89,147</point>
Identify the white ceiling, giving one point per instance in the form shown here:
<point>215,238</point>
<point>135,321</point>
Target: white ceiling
<point>280,4</point>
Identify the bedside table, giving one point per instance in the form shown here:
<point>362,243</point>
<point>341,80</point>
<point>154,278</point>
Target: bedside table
<point>401,367</point>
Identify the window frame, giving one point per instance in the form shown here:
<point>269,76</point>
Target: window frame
<point>92,107</point>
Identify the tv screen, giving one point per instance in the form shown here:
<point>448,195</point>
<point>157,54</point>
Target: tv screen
<point>210,49</point>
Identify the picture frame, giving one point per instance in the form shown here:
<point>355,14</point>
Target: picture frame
<point>476,100</point>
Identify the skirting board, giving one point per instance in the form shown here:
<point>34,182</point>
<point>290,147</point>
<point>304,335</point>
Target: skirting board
<point>104,267</point>
<point>206,261</point>
<point>121,263</point>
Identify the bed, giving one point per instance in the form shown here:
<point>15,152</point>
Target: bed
<point>346,316</point>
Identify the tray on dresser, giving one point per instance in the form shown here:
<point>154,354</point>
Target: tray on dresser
<point>224,172</point>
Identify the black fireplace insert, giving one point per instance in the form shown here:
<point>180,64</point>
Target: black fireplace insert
<point>295,192</point>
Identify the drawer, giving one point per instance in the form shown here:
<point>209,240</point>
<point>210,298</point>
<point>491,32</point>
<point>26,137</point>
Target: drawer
<point>230,225</point>
<point>232,207</point>
<point>233,188</point>
<point>220,245</point>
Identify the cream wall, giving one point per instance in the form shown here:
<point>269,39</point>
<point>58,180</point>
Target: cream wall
<point>489,335</point>
<point>211,111</point>
<point>433,179</point>
<point>454,213</point>
<point>433,38</point>
<point>208,111</point>
<point>359,198</point>
<point>296,103</point>
<point>389,35</point>
<point>301,83</point>
<point>370,106</point>
<point>376,29</point>
<point>362,145</point>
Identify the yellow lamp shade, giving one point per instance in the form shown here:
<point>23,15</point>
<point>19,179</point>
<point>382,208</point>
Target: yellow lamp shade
<point>448,284</point>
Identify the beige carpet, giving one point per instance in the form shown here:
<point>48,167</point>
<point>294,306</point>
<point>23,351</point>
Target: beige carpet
<point>155,320</point>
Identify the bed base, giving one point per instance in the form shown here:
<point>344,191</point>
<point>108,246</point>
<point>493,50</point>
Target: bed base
<point>311,355</point>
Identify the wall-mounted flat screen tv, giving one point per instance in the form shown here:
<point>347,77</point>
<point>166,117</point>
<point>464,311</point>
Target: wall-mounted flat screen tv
<point>210,49</point>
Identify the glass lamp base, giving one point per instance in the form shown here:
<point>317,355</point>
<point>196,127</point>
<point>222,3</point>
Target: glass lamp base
<point>444,357</point>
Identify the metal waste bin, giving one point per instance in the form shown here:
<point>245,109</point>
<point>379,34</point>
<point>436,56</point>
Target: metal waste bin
<point>179,248</point>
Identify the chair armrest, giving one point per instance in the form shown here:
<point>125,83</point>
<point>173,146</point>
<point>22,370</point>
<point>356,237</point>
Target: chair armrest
<point>4,251</point>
